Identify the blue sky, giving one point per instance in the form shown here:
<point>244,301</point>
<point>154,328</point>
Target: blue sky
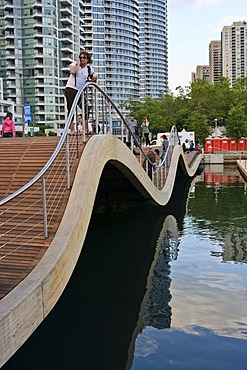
<point>192,24</point>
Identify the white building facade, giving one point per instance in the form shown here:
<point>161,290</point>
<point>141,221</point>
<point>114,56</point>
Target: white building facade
<point>214,61</point>
<point>234,51</point>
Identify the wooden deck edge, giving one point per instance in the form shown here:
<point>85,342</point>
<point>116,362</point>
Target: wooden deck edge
<point>26,306</point>
<point>242,167</point>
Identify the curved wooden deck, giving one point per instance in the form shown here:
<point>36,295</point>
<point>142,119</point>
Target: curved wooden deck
<point>26,306</point>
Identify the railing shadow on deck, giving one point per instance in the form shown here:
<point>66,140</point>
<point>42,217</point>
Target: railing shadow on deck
<point>31,301</point>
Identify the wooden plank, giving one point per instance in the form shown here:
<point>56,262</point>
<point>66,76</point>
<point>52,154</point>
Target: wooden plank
<point>26,156</point>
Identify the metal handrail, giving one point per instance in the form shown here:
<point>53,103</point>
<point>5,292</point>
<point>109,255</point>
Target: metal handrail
<point>80,95</point>
<point>106,104</point>
<point>173,137</point>
<point>58,179</point>
<point>173,140</point>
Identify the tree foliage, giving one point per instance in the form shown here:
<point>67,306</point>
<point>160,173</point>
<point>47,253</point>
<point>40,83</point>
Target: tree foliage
<point>195,108</point>
<point>236,122</point>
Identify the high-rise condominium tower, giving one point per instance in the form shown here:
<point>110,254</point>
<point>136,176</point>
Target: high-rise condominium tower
<point>234,46</point>
<point>40,38</point>
<point>214,61</point>
<point>202,73</point>
<point>112,36</point>
<point>153,48</point>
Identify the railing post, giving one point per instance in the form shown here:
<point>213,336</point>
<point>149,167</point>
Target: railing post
<point>131,143</point>
<point>103,114</point>
<point>83,116</point>
<point>146,165</point>
<point>76,128</point>
<point>96,111</point>
<point>44,207</point>
<point>67,162</point>
<point>110,121</point>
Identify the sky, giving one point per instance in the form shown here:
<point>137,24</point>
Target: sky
<point>192,24</point>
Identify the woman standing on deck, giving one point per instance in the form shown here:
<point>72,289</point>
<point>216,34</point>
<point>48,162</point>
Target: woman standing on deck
<point>8,126</point>
<point>145,130</point>
<point>80,73</point>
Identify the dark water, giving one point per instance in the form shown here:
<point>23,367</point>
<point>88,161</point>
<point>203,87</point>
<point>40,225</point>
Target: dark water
<point>156,288</point>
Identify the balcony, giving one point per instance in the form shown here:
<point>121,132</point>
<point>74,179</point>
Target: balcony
<point>66,22</point>
<point>65,11</point>
<point>66,31</point>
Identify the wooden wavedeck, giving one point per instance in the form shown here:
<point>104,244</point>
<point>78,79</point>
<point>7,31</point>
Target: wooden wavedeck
<point>33,278</point>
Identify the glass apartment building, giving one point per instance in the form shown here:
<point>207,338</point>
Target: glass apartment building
<point>153,48</point>
<point>40,38</point>
<point>112,36</point>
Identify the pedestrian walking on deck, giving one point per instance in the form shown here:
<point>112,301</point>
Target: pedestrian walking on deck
<point>132,123</point>
<point>164,154</point>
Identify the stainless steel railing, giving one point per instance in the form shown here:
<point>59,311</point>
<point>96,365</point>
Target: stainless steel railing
<point>105,115</point>
<point>54,179</point>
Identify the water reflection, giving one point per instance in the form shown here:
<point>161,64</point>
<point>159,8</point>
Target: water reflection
<point>92,325</point>
<point>225,220</point>
<point>149,290</point>
<point>208,328</point>
<point>157,312</point>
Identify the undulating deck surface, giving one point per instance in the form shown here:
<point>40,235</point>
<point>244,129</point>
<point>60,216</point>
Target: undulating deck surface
<point>34,269</point>
<point>20,160</point>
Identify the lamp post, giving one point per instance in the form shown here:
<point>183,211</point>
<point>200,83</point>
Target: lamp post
<point>22,106</point>
<point>22,102</point>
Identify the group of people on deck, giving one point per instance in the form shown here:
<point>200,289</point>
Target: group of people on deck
<point>144,134</point>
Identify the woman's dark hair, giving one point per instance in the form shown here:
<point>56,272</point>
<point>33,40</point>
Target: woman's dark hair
<point>85,53</point>
<point>9,114</point>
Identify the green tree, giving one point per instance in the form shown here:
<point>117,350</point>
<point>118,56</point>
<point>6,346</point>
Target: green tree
<point>240,92</point>
<point>200,124</point>
<point>213,100</point>
<point>236,122</point>
<point>195,108</point>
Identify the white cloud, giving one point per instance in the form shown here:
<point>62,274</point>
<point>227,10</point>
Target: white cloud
<point>197,3</point>
<point>206,3</point>
<point>177,3</point>
<point>226,21</point>
<point>145,345</point>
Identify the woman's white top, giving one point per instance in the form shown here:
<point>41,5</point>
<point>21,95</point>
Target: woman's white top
<point>81,77</point>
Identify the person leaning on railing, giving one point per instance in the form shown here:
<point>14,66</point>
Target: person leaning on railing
<point>152,156</point>
<point>80,73</point>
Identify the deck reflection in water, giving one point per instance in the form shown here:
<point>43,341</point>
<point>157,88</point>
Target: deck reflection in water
<point>113,313</point>
<point>96,320</point>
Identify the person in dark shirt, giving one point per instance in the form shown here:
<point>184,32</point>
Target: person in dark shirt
<point>152,156</point>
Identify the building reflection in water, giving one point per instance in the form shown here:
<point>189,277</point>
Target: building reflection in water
<point>232,235</point>
<point>155,309</point>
